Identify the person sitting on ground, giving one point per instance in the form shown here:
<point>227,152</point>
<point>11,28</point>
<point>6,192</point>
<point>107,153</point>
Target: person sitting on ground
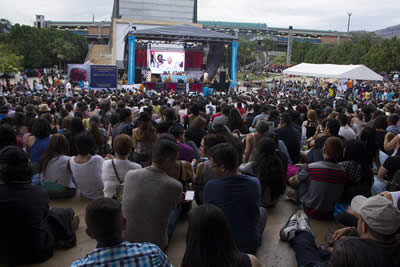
<point>148,220</point>
<point>114,170</point>
<point>185,151</point>
<point>269,169</point>
<point>210,242</point>
<point>386,172</point>
<point>38,141</point>
<point>253,139</point>
<point>30,231</point>
<point>345,130</point>
<point>168,119</point>
<point>239,197</point>
<point>143,138</point>
<point>290,136</point>
<point>87,169</point>
<point>392,124</point>
<point>223,119</point>
<point>321,184</point>
<point>373,243</point>
<point>204,170</point>
<point>55,172</point>
<point>331,130</point>
<point>105,223</point>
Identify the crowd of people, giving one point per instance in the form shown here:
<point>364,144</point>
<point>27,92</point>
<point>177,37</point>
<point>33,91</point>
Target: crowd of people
<point>144,162</point>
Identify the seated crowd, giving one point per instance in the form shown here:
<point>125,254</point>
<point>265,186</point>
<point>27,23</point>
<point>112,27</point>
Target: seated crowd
<point>145,162</point>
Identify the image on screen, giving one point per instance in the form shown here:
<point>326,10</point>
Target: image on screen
<point>164,61</point>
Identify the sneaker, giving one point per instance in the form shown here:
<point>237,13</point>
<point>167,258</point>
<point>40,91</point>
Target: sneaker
<point>291,194</point>
<point>303,221</point>
<point>288,231</point>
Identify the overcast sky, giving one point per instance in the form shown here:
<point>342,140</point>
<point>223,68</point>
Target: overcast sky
<point>309,14</point>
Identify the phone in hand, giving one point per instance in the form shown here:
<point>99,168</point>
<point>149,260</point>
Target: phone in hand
<point>189,195</point>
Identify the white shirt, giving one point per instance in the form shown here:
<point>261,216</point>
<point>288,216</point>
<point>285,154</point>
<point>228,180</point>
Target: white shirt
<point>110,180</point>
<point>347,132</point>
<point>56,172</point>
<point>88,176</point>
<point>68,88</point>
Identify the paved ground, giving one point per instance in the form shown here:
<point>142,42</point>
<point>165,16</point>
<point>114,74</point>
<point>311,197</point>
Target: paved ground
<point>272,252</point>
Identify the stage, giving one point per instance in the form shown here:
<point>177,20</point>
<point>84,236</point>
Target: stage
<point>181,56</point>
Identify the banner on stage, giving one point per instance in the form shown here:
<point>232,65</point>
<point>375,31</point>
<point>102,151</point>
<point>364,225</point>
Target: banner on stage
<point>103,76</point>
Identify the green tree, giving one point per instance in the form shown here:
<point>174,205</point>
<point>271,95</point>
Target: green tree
<point>246,52</point>
<point>37,45</point>
<point>9,62</point>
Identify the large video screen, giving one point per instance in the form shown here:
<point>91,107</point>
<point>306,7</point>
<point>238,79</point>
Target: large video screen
<point>166,61</point>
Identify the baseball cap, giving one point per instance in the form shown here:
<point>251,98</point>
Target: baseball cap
<point>378,212</point>
<point>13,155</point>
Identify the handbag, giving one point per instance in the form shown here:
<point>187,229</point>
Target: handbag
<point>120,188</point>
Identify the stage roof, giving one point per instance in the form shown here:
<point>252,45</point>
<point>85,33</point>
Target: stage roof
<point>182,33</point>
<point>354,72</point>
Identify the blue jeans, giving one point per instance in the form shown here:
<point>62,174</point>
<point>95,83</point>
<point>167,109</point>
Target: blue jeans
<point>173,221</point>
<point>307,253</point>
<point>196,151</point>
<point>379,186</point>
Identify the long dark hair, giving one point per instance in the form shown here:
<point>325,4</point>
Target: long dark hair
<point>209,241</point>
<point>268,168</point>
<point>94,131</point>
<point>58,146</point>
<point>235,121</point>
<point>356,151</point>
<point>368,138</point>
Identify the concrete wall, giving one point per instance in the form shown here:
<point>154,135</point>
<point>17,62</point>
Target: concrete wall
<point>157,10</point>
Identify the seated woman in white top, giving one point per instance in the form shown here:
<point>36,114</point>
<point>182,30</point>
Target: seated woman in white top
<point>55,173</point>
<point>113,178</point>
<point>87,169</point>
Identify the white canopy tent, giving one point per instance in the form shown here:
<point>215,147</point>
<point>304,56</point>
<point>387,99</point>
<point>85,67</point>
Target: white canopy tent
<point>353,72</point>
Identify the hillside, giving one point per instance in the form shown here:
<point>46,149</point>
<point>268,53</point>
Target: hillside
<point>390,32</point>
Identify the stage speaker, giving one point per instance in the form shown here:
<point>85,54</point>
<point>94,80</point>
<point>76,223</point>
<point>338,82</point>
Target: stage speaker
<point>138,76</point>
<point>222,77</point>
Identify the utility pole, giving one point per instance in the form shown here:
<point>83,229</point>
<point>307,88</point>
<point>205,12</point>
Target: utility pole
<point>348,24</point>
<point>289,46</point>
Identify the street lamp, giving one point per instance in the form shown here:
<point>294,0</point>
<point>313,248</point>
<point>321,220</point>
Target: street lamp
<point>348,24</point>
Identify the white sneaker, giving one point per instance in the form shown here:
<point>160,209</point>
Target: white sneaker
<point>303,221</point>
<point>288,231</point>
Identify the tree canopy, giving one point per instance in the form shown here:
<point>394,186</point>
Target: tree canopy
<point>379,54</point>
<point>37,46</point>
<point>9,62</point>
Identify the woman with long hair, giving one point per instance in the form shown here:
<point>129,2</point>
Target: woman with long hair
<point>269,169</point>
<point>99,136</point>
<point>310,125</point>
<point>253,139</point>
<point>38,141</point>
<point>56,175</point>
<point>368,137</point>
<point>143,138</point>
<point>358,171</point>
<point>76,129</point>
<point>235,121</point>
<point>209,241</point>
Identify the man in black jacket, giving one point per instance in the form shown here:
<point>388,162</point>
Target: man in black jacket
<point>29,230</point>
